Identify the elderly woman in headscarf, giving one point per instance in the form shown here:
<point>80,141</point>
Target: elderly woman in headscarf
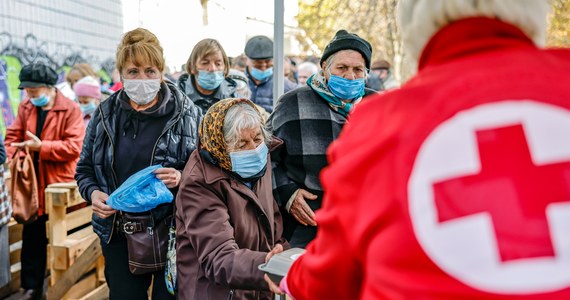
<point>227,219</point>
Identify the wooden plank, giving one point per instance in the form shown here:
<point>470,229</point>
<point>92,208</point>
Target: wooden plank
<point>66,185</point>
<point>12,287</point>
<point>64,255</point>
<point>88,258</point>
<point>83,287</point>
<point>68,193</point>
<point>58,196</point>
<point>78,218</point>
<point>100,293</point>
<point>15,256</point>
<point>14,232</point>
<point>101,269</point>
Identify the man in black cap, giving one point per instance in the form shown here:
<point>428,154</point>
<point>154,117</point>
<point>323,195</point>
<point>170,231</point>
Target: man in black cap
<point>308,119</point>
<point>259,50</point>
<point>51,127</point>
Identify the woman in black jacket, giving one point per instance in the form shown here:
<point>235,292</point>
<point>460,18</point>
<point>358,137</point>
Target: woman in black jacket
<point>147,122</point>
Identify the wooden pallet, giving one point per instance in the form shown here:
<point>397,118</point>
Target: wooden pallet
<point>74,255</point>
<point>15,241</point>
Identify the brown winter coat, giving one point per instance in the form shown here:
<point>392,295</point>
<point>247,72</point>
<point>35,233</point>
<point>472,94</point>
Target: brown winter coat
<point>62,139</point>
<point>224,231</point>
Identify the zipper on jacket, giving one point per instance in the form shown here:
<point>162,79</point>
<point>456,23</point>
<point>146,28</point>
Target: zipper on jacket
<point>112,169</point>
<point>231,295</point>
<point>164,132</point>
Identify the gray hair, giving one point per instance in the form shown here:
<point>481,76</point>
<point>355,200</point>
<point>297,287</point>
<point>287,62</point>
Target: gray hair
<point>239,117</point>
<point>330,60</point>
<point>309,67</point>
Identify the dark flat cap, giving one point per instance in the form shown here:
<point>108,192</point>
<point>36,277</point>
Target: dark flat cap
<point>37,74</point>
<point>259,47</point>
<point>343,40</point>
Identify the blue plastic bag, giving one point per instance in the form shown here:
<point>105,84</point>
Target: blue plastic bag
<point>141,192</point>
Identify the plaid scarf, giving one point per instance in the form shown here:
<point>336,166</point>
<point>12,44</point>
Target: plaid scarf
<point>318,83</point>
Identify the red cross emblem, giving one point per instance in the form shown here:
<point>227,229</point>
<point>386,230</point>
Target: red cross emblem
<point>489,197</point>
<point>508,179</point>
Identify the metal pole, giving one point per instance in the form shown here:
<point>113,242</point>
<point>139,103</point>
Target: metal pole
<point>278,36</point>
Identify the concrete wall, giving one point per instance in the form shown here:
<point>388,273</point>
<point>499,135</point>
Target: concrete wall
<point>62,28</point>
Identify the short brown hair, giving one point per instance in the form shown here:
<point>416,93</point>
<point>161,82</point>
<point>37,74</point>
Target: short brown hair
<point>140,47</point>
<point>204,48</point>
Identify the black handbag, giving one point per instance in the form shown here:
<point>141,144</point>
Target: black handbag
<point>147,241</point>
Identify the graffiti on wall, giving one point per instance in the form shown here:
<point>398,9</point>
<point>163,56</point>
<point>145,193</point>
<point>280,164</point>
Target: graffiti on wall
<point>13,56</point>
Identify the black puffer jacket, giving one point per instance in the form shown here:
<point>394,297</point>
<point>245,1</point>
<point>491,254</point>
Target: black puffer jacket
<point>227,89</point>
<point>172,149</point>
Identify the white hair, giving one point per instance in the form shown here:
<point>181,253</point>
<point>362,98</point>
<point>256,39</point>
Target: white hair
<point>419,20</point>
<point>309,67</point>
<point>239,117</point>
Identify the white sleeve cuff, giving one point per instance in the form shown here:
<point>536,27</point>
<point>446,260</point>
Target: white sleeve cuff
<point>290,201</point>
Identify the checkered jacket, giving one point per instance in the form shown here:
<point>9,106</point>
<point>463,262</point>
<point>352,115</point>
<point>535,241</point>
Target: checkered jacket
<point>307,125</point>
<point>5,204</point>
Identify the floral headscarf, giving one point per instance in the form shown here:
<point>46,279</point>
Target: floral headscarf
<point>211,131</point>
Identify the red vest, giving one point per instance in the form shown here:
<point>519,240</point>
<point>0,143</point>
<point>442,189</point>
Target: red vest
<point>456,186</point>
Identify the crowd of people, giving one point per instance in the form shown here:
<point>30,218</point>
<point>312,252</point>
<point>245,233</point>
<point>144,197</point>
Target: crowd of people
<point>373,185</point>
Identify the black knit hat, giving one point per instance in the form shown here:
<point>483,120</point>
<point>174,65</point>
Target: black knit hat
<point>344,40</point>
<point>37,74</point>
<point>259,47</point>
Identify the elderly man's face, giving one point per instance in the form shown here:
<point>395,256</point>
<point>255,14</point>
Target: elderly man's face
<point>348,64</point>
<point>262,64</point>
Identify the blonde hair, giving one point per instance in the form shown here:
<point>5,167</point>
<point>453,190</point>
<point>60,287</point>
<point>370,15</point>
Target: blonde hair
<point>204,48</point>
<point>419,20</point>
<point>82,70</point>
<point>140,47</point>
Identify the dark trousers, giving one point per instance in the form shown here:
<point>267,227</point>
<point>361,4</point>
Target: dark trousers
<point>123,285</point>
<point>34,254</point>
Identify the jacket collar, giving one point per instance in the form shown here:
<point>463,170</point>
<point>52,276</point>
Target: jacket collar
<point>471,35</point>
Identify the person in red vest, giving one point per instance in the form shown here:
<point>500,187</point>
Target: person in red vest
<point>456,186</point>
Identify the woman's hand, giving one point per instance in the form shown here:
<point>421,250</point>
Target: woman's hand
<point>34,144</point>
<point>169,176</point>
<point>99,206</point>
<point>274,288</point>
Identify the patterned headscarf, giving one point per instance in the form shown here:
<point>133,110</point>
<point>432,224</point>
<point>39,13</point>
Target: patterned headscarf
<point>212,134</point>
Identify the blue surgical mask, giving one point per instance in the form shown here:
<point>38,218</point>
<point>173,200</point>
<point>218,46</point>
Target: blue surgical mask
<point>40,101</point>
<point>210,80</point>
<point>345,88</point>
<point>261,75</point>
<point>248,163</point>
<point>88,108</point>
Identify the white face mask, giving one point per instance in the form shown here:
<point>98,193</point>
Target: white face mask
<point>141,91</point>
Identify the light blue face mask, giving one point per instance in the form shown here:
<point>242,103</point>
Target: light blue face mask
<point>88,108</point>
<point>345,88</point>
<point>248,163</point>
<point>261,75</point>
<point>40,101</point>
<point>210,80</point>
